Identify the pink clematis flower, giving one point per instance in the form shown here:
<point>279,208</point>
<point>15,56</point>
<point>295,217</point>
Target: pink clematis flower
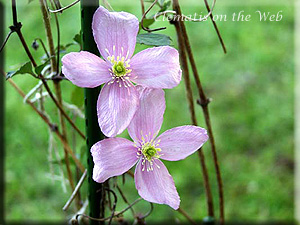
<point>115,35</point>
<point>115,156</point>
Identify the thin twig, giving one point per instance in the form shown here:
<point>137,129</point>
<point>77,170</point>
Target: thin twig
<point>58,41</point>
<point>74,220</point>
<point>185,70</point>
<point>64,8</point>
<point>54,70</point>
<point>201,19</point>
<point>43,46</point>
<point>17,28</point>
<point>64,133</point>
<point>216,27</point>
<point>125,199</point>
<point>184,213</point>
<point>142,7</point>
<point>130,173</point>
<point>149,212</point>
<point>183,17</point>
<point>144,16</point>
<point>70,151</point>
<point>116,215</point>
<point>20,35</point>
<point>58,159</point>
<point>164,13</point>
<point>14,12</point>
<point>203,101</point>
<point>52,126</point>
<point>78,186</point>
<point>114,205</point>
<point>49,35</point>
<point>61,109</point>
<point>5,40</point>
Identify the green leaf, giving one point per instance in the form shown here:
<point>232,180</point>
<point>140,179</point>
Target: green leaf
<point>29,1</point>
<point>77,38</point>
<point>77,96</point>
<point>76,41</point>
<point>153,39</point>
<point>148,22</point>
<point>39,68</point>
<point>24,69</point>
<point>68,45</point>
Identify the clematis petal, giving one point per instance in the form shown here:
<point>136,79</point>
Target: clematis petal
<point>156,186</point>
<point>149,115</point>
<point>116,106</point>
<point>117,29</point>
<point>156,67</point>
<point>180,142</point>
<point>85,69</point>
<point>112,157</point>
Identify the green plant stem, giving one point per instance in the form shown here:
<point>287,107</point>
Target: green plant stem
<point>93,133</point>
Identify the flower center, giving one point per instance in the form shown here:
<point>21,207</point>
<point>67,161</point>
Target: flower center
<point>149,153</point>
<point>119,69</point>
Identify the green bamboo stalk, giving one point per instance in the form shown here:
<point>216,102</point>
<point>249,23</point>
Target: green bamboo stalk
<point>93,133</point>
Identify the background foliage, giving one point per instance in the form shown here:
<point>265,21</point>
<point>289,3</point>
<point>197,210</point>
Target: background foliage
<point>252,116</point>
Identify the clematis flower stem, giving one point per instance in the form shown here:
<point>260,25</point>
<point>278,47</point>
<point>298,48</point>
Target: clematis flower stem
<point>203,101</point>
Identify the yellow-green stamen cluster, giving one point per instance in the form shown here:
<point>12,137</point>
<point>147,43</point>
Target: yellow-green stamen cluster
<point>119,70</point>
<point>149,152</point>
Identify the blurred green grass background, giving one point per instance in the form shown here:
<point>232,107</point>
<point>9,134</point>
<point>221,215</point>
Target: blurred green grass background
<point>252,117</point>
